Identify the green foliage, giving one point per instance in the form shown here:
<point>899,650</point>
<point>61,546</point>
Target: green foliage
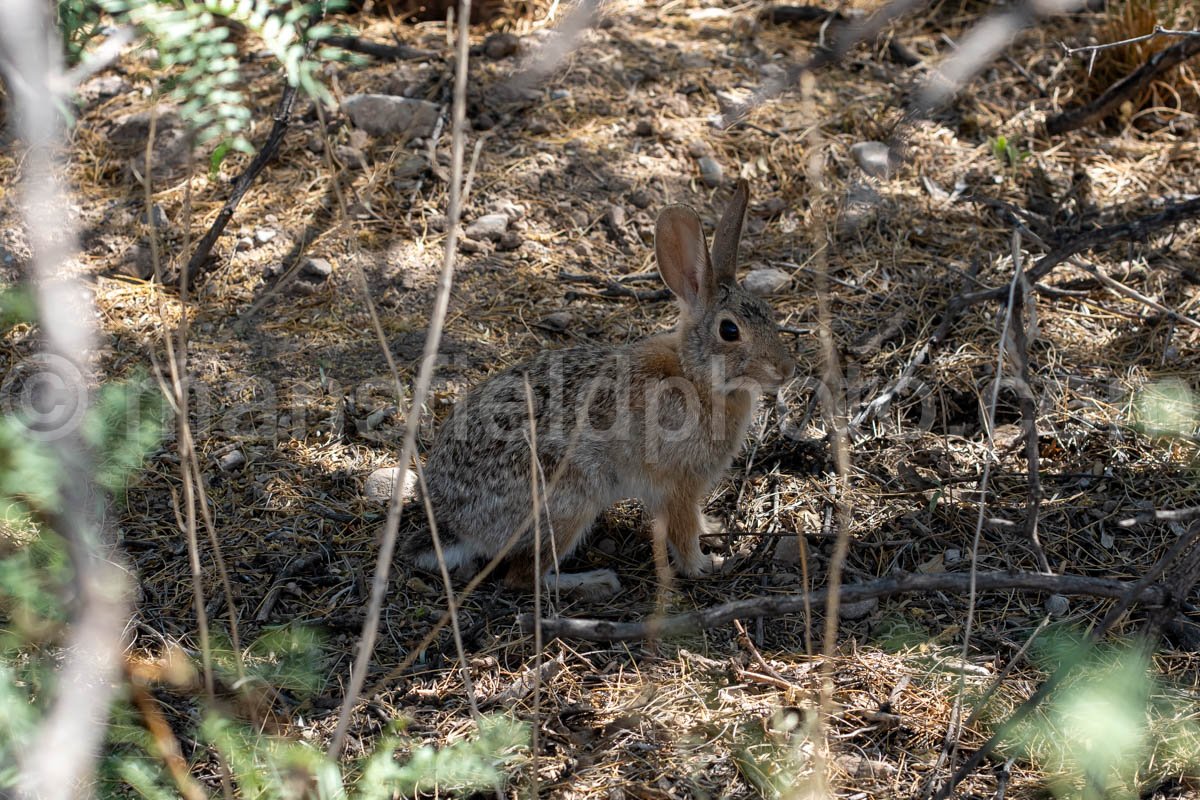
<point>1167,408</point>
<point>1112,725</point>
<point>79,23</point>
<point>124,424</point>
<point>193,41</point>
<point>1007,152</point>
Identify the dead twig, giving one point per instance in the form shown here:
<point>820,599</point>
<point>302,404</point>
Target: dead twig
<point>1018,349</point>
<point>598,630</point>
<point>1131,84</point>
<point>379,50</point>
<point>1162,515</point>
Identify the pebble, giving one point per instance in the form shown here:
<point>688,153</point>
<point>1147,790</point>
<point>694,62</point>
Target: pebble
<point>862,608</point>
<point>264,235</point>
<point>470,246</point>
<point>558,322</point>
<point>873,158</point>
<point>232,460</point>
<point>411,167</point>
<point>615,218</point>
<point>641,198</point>
<point>489,226</point>
<point>244,243</point>
<point>484,122</point>
<point>510,240</point>
<point>560,94</point>
<point>318,268</point>
<point>514,211</point>
<point>1057,605</point>
<point>766,281</point>
<point>711,173</point>
<point>644,127</point>
<point>501,45</point>
<point>382,114</point>
<point>381,483</point>
<point>699,149</point>
<point>352,157</point>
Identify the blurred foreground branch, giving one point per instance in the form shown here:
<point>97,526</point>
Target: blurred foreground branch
<point>62,752</point>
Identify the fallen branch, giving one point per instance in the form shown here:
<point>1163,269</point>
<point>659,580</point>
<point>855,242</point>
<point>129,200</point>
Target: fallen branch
<point>198,265</point>
<point>1131,84</point>
<point>384,52</point>
<point>1134,230</point>
<point>598,630</point>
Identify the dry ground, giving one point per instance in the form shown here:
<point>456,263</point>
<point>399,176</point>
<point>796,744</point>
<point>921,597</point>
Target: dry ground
<point>291,376</point>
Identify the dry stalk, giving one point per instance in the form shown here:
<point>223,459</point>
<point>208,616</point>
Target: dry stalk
<point>433,337</point>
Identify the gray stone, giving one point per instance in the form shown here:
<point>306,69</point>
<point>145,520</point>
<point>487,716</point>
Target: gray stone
<point>489,226</point>
<point>558,322</point>
<point>383,114</point>
<point>381,483</point>
<point>711,173</point>
<point>264,235</point>
<point>501,45</point>
<point>1057,605</point>
<point>874,159</point>
<point>411,167</point>
<point>641,198</point>
<point>510,240</point>
<point>699,149</point>
<point>352,157</point>
<point>766,281</point>
<point>560,94</point>
<point>318,268</point>
<point>859,610</point>
<point>234,459</point>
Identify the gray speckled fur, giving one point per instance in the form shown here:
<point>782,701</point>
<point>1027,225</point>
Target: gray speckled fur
<point>659,420</point>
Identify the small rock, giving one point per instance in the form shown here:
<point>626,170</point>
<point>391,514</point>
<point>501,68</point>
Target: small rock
<point>862,608</point>
<point>437,222</point>
<point>158,217</point>
<point>514,211</point>
<point>773,206</point>
<point>489,226</point>
<point>582,249</point>
<point>470,246</point>
<point>952,556</point>
<point>699,149</point>
<point>501,45</point>
<point>411,167</point>
<point>315,144</point>
<point>641,198</point>
<point>644,127</point>
<point>766,281</point>
<point>560,94</point>
<point>615,218</point>
<point>383,114</point>
<point>352,157</point>
<point>381,483</point>
<point>103,86</point>
<point>318,268</point>
<point>558,322</point>
<point>537,128</point>
<point>874,158</point>
<point>264,235</point>
<point>787,551</point>
<point>711,173</point>
<point>484,122</point>
<point>244,243</point>
<point>509,240</point>
<point>232,460</point>
<point>1057,605</point>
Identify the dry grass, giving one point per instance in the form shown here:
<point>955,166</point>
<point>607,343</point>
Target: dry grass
<point>290,386</point>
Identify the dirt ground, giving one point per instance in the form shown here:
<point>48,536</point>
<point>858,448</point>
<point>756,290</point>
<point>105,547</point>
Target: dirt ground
<point>289,373</point>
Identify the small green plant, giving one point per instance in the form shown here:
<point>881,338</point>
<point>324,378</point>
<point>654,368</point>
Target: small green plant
<point>1007,152</point>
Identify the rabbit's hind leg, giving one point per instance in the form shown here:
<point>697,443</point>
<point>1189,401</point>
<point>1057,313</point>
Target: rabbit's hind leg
<point>569,529</point>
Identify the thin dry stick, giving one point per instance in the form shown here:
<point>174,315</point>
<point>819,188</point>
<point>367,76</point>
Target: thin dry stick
<point>1159,30</point>
<point>537,582</point>
<point>58,757</point>
<point>433,337</point>
<point>839,440</point>
<point>972,592</point>
<point>451,606</point>
<point>1020,354</point>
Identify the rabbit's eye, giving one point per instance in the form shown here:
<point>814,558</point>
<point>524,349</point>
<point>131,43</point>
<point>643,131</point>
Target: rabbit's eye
<point>728,330</point>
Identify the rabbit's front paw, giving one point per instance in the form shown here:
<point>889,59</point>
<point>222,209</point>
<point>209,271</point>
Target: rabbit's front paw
<point>701,564</point>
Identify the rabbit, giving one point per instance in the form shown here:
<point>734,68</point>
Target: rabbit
<point>659,420</point>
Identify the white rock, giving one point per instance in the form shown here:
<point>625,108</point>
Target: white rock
<point>489,226</point>
<point>381,114</point>
<point>380,484</point>
<point>873,158</point>
<point>766,281</point>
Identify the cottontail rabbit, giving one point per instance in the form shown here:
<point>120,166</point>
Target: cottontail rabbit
<point>659,420</point>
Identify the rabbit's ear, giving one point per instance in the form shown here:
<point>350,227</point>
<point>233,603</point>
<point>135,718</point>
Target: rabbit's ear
<point>682,255</point>
<point>729,235</point>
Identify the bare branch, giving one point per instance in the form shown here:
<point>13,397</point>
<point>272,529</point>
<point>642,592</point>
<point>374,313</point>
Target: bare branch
<point>1159,30</point>
<point>598,630</point>
<point>61,753</point>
